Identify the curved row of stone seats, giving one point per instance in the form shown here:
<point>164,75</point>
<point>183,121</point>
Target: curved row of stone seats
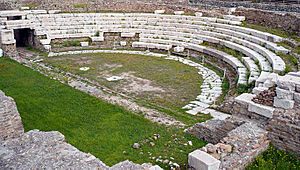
<point>253,69</point>
<point>269,45</point>
<point>248,52</point>
<point>256,33</point>
<point>232,61</point>
<point>157,19</point>
<point>249,37</point>
<point>88,24</point>
<point>277,63</point>
<point>151,45</point>
<point>215,22</point>
<point>264,64</point>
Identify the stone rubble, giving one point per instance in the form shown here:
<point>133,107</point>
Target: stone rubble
<point>237,142</point>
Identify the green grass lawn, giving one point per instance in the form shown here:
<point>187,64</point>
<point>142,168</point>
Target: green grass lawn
<point>274,159</point>
<point>105,130</point>
<point>180,83</point>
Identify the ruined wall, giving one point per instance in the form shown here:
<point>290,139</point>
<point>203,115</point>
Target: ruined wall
<point>247,4</point>
<point>284,130</point>
<point>98,5</point>
<point>10,120</point>
<point>213,131</point>
<point>286,21</point>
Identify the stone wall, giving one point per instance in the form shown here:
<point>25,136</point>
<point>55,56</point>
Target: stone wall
<point>214,130</point>
<point>9,50</point>
<point>285,21</point>
<point>10,120</point>
<point>284,130</point>
<point>101,5</point>
<point>247,4</point>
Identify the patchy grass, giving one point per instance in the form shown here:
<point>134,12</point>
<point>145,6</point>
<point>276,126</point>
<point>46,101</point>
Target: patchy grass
<point>105,130</point>
<point>80,5</point>
<point>244,88</point>
<point>276,160</point>
<point>173,84</point>
<point>32,5</point>
<point>227,50</point>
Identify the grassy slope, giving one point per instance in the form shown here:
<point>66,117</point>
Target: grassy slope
<point>181,82</point>
<point>89,124</point>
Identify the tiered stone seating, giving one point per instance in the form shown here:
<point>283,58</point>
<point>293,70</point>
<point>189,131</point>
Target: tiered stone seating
<point>165,31</point>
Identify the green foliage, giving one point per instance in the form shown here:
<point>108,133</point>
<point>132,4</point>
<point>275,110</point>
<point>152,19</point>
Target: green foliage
<point>244,88</point>
<point>97,34</point>
<point>80,5</point>
<point>32,5</point>
<point>274,159</point>
<point>102,129</point>
<point>71,43</point>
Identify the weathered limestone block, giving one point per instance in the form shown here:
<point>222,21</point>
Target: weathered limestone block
<point>284,94</point>
<point>179,49</point>
<point>200,160</point>
<point>84,44</point>
<point>10,120</point>
<point>283,103</point>
<point>159,11</point>
<point>297,97</point>
<point>123,43</point>
<point>266,111</point>
<point>178,12</point>
<point>97,39</point>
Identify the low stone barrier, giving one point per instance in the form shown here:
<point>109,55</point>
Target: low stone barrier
<point>10,120</point>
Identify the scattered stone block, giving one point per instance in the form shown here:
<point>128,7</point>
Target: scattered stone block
<point>198,14</point>
<point>128,34</point>
<point>114,78</point>
<point>159,11</point>
<point>123,43</point>
<point>84,68</point>
<point>156,167</point>
<point>84,44</point>
<point>283,103</point>
<point>297,97</point>
<point>284,94</point>
<point>25,8</point>
<point>266,111</point>
<point>178,12</point>
<point>54,11</point>
<point>179,49</point>
<point>97,39</point>
<point>200,160</point>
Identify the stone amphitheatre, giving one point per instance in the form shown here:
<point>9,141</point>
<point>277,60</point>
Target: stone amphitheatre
<point>149,85</point>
